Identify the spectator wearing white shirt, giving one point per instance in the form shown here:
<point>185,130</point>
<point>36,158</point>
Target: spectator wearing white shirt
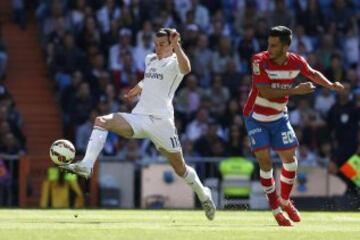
<point>351,46</point>
<point>324,101</point>
<point>118,50</point>
<point>201,14</point>
<point>198,127</point>
<point>142,49</point>
<point>106,14</point>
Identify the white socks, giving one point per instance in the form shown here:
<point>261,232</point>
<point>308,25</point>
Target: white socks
<point>95,145</point>
<point>192,179</point>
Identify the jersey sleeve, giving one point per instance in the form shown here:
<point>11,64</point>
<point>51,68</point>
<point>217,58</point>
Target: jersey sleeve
<point>259,75</point>
<point>305,68</point>
<point>148,58</point>
<point>175,66</point>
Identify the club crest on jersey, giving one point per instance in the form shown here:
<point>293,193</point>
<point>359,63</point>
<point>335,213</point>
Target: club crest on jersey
<point>256,68</point>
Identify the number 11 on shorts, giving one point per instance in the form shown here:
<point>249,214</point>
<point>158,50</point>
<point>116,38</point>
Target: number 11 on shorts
<point>174,141</point>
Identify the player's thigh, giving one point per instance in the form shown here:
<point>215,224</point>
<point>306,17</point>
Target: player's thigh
<point>176,160</point>
<point>116,123</point>
<point>264,159</point>
<point>259,136</point>
<point>283,136</point>
<point>163,134</point>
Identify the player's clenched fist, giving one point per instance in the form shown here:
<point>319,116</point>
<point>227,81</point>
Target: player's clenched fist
<point>304,88</point>
<point>174,37</point>
<point>336,86</point>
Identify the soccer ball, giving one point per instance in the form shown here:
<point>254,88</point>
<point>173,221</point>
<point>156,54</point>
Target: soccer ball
<point>62,152</point>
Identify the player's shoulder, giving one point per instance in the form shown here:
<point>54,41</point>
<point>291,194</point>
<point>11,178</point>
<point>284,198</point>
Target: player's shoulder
<point>150,58</point>
<point>261,57</point>
<point>296,58</point>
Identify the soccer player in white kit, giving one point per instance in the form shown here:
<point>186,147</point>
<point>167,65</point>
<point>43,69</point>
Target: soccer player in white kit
<point>153,116</point>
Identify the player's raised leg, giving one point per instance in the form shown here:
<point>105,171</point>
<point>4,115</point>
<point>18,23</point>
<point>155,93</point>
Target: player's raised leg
<point>268,183</point>
<point>191,178</point>
<point>112,122</point>
<point>287,178</point>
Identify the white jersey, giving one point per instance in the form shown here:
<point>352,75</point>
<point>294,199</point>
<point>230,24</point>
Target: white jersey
<point>161,79</point>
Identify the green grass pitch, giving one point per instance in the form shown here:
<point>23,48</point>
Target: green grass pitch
<point>171,225</point>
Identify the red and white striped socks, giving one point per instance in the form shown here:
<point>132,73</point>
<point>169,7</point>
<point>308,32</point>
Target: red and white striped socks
<point>268,183</point>
<point>287,178</point>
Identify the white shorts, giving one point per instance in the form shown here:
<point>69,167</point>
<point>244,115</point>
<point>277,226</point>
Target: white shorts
<point>161,131</point>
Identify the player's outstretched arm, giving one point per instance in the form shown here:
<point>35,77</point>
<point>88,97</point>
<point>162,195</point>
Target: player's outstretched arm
<point>318,78</point>
<point>272,93</point>
<point>183,60</point>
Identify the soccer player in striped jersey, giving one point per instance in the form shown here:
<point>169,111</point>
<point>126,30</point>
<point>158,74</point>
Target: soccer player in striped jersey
<point>266,119</point>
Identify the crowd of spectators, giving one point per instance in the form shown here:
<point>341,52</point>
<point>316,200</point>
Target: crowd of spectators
<point>95,52</point>
<point>12,139</point>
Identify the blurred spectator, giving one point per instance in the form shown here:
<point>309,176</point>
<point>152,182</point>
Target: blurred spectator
<point>351,46</point>
<point>19,14</point>
<point>67,59</point>
<point>81,105</point>
<point>326,50</point>
<point>131,151</point>
<point>201,14</point>
<point>10,145</point>
<point>335,72</point>
<point>119,50</point>
<point>57,188</point>
<point>95,70</point>
<point>188,98</point>
<point>90,35</point>
<point>223,55</point>
<point>3,56</point>
<point>248,45</point>
<point>201,62</point>
<point>211,138</point>
<point>234,146</point>
<point>142,49</point>
<point>83,133</point>
<point>196,128</point>
<point>311,18</point>
<point>352,79</point>
<point>77,15</point>
<point>281,15</point>
<point>300,38</point>
<point>343,122</point>
<point>306,157</point>
<point>110,11</point>
<point>324,101</point>
<point>341,14</point>
<point>218,95</point>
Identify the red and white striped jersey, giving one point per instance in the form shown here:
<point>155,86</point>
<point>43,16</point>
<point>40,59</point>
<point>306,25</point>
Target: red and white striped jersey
<point>266,72</point>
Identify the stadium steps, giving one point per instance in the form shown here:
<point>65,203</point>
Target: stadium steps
<point>31,88</point>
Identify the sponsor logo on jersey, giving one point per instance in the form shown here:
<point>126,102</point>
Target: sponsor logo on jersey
<point>281,86</point>
<point>152,74</point>
<point>256,68</point>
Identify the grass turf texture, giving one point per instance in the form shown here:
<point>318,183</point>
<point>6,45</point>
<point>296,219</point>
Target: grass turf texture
<point>171,225</point>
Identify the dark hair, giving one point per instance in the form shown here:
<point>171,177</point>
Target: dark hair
<point>164,32</point>
<point>284,33</point>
